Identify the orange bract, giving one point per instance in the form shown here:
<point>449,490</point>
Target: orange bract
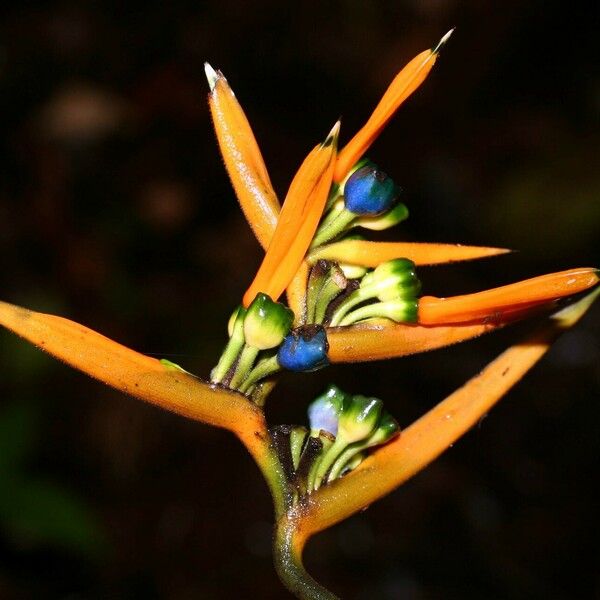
<point>508,298</point>
<point>383,339</point>
<point>297,222</point>
<point>403,85</point>
<point>242,157</point>
<point>391,465</point>
<point>372,254</point>
<point>296,292</point>
<point>131,372</point>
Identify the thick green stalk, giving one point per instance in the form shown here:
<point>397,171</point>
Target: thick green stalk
<point>260,446</point>
<point>287,554</point>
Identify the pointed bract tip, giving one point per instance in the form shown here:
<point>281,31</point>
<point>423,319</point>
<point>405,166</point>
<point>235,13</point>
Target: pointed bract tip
<point>498,251</point>
<point>569,315</point>
<point>443,41</point>
<point>211,75</point>
<point>333,135</point>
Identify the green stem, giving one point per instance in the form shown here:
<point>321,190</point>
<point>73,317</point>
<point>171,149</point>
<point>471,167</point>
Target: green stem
<point>328,459</point>
<point>364,312</point>
<point>263,369</point>
<point>342,310</point>
<point>330,229</point>
<point>260,446</point>
<point>277,481</point>
<point>327,441</point>
<point>230,354</point>
<point>247,358</point>
<point>334,195</point>
<point>342,460</point>
<point>287,554</point>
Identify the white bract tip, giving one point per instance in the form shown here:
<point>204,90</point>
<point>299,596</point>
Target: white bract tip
<point>211,75</point>
<point>333,134</point>
<point>443,41</point>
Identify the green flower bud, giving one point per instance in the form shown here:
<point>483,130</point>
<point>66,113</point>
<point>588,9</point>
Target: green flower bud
<point>324,411</point>
<point>359,418</point>
<point>400,311</point>
<point>266,323</point>
<point>387,428</point>
<point>391,280</point>
<point>240,312</point>
<point>357,421</point>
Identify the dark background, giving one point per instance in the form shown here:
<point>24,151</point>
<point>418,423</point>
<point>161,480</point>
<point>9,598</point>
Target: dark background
<point>115,211</point>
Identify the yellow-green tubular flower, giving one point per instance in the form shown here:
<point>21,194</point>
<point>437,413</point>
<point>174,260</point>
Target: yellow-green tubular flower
<point>324,411</point>
<point>399,311</point>
<point>387,428</point>
<point>235,328</point>
<point>240,312</point>
<point>391,280</point>
<point>266,323</point>
<point>357,421</point>
<point>396,286</point>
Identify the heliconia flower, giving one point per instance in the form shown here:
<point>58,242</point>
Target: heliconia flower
<point>357,420</point>
<point>441,321</point>
<point>266,323</point>
<point>324,411</point>
<point>390,321</point>
<point>392,280</point>
<point>446,320</point>
<point>387,428</point>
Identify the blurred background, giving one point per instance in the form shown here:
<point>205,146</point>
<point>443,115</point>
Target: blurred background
<point>115,211</point>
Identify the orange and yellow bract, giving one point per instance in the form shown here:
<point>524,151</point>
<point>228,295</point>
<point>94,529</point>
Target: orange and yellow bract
<point>298,221</point>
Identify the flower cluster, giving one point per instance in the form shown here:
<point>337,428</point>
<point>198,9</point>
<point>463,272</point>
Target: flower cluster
<point>342,429</point>
<point>349,299</point>
<point>261,338</point>
<point>337,283</point>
